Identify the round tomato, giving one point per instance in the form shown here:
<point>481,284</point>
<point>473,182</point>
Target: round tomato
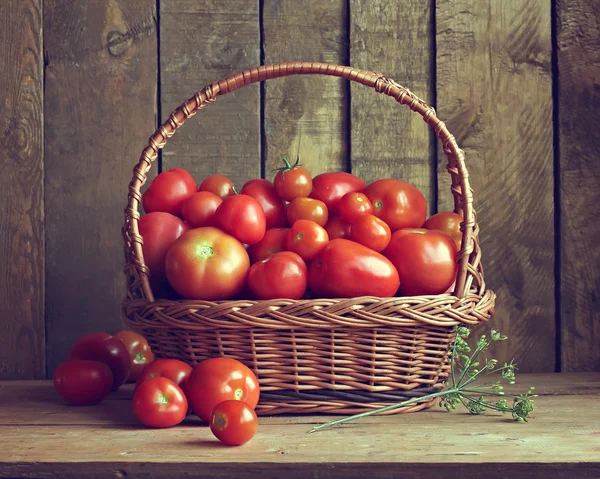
<point>306,238</point>
<point>173,369</point>
<point>425,260</point>
<point>218,379</point>
<point>346,269</point>
<point>242,217</point>
<point>336,227</point>
<point>398,203</point>
<point>307,209</point>
<point>273,206</point>
<point>139,352</point>
<point>104,348</point>
<point>371,231</point>
<point>219,185</point>
<point>233,422</point>
<point>168,191</point>
<point>448,222</point>
<point>83,383</point>
<point>199,209</point>
<point>273,241</point>
<point>185,176</point>
<point>292,181</point>
<point>354,204</point>
<point>159,402</point>
<point>330,187</point>
<point>281,275</point>
<point>206,263</point>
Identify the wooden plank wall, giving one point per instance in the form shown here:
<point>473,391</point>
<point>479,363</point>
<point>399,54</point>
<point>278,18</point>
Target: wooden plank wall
<point>84,86</point>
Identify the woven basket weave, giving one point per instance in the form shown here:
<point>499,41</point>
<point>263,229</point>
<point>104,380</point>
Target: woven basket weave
<point>320,355</point>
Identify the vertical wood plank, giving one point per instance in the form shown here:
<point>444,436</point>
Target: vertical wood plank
<point>21,191</point>
<point>396,39</point>
<point>494,90</point>
<point>203,42</point>
<point>306,115</point>
<point>579,137</point>
<point>100,100</point>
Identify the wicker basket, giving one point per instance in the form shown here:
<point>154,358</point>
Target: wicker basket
<point>320,355</point>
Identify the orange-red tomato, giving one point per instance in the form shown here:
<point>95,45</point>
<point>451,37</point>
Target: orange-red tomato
<point>354,204</point>
<point>243,217</point>
<point>219,185</point>
<point>307,209</point>
<point>448,222</point>
<point>200,208</point>
<point>233,422</point>
<point>371,231</point>
<point>306,238</point>
<point>159,402</point>
<point>281,275</point>
<point>336,227</point>
<point>139,352</point>
<point>292,181</point>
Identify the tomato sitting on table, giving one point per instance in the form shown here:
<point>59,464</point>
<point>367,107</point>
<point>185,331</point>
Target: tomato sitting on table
<point>233,422</point>
<point>139,352</point>
<point>82,382</point>
<point>159,402</point>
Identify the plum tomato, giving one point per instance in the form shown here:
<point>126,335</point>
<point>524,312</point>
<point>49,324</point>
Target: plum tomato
<point>281,275</point>
<point>306,238</point>
<point>159,403</point>
<point>233,422</point>
<point>82,382</point>
<point>139,352</point>
<point>307,209</point>
<point>273,206</point>
<point>292,181</point>
<point>242,217</point>
<point>371,231</point>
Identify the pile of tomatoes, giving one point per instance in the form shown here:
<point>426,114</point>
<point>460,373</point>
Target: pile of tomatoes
<point>221,391</point>
<point>332,235</point>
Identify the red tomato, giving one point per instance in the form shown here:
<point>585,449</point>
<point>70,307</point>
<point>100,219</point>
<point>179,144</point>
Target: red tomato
<point>273,241</point>
<point>233,422</point>
<point>315,276</point>
<point>219,185</point>
<point>185,176</point>
<point>448,222</point>
<point>167,192</point>
<point>218,379</point>
<point>292,181</point>
<point>273,206</point>
<point>306,238</point>
<point>159,402</point>
<point>173,369</point>
<point>347,269</point>
<point>425,260</point>
<point>398,203</point>
<point>307,209</point>
<point>371,231</point>
<point>206,263</point>
<point>199,209</point>
<point>336,227</point>
<point>330,187</point>
<point>354,204</point>
<point>242,217</point>
<point>104,348</point>
<point>281,275</point>
<point>139,352</point>
<point>83,383</point>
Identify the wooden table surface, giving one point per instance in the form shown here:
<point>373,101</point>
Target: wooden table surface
<point>41,436</point>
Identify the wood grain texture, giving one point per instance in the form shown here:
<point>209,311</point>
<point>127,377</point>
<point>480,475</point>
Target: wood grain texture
<point>395,39</point>
<point>100,102</point>
<point>306,115</point>
<point>200,43</point>
<point>21,191</point>
<point>494,91</point>
<point>579,137</point>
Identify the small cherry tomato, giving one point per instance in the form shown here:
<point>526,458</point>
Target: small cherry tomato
<point>199,209</point>
<point>159,402</point>
<point>273,206</point>
<point>354,204</point>
<point>233,422</point>
<point>371,231</point>
<point>243,218</point>
<point>306,238</point>
<point>307,209</point>
<point>139,352</point>
<point>82,382</point>
<point>448,222</point>
<point>173,369</point>
<point>219,185</point>
<point>281,275</point>
<point>273,241</point>
<point>336,228</point>
<point>292,181</point>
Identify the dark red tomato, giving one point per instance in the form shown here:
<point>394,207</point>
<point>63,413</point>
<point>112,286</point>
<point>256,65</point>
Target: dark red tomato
<point>200,208</point>
<point>220,379</point>
<point>315,276</point>
<point>448,222</point>
<point>167,192</point>
<point>307,209</point>
<point>219,185</point>
<point>104,348</point>
<point>425,260</point>
<point>159,402</point>
<point>139,352</point>
<point>336,227</point>
<point>306,238</point>
<point>206,263</point>
<point>273,241</point>
<point>273,206</point>
<point>292,181</point>
<point>371,231</point>
<point>398,203</point>
<point>242,217</point>
<point>173,369</point>
<point>233,422</point>
<point>347,269</point>
<point>185,176</point>
<point>83,383</point>
<point>330,187</point>
<point>281,275</point>
<point>355,204</point>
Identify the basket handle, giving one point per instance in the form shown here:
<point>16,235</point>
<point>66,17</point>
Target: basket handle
<point>469,258</point>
